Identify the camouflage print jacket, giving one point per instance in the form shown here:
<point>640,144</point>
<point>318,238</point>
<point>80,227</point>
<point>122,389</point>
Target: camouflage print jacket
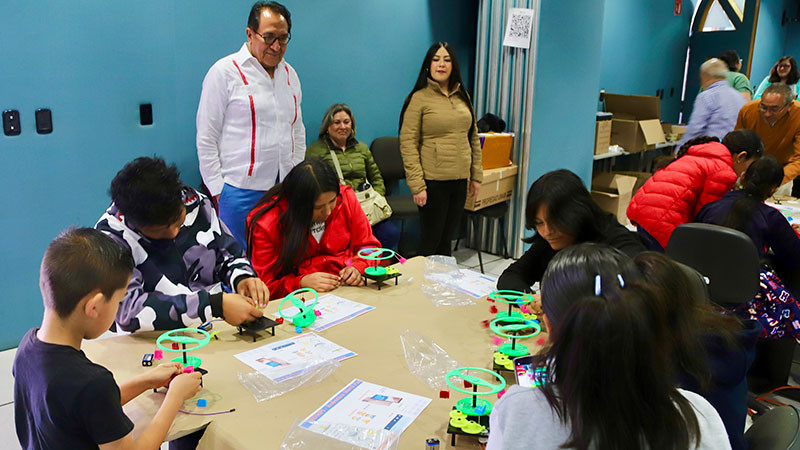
<point>178,281</point>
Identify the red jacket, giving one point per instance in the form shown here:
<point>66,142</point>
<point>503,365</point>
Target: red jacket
<point>347,230</point>
<point>675,194</point>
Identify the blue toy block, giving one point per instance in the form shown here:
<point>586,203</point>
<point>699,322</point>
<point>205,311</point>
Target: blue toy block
<point>480,410</point>
<point>298,330</point>
<point>202,403</point>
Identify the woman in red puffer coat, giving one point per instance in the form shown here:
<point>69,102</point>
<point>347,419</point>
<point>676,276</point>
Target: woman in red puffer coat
<point>703,172</point>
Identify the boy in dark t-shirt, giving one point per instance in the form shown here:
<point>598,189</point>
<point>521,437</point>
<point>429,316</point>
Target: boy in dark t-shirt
<point>61,398</point>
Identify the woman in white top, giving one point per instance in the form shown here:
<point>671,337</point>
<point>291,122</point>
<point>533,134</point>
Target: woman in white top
<point>608,382</point>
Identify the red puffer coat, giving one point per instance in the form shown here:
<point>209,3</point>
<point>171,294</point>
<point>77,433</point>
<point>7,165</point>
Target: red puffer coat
<point>676,193</point>
<point>347,230</point>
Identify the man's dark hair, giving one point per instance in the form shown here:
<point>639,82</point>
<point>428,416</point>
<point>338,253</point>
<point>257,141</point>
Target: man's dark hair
<point>148,192</point>
<point>79,261</point>
<point>731,58</point>
<point>254,20</point>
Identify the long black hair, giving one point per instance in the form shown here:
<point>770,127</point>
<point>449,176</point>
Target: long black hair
<point>605,368</point>
<point>301,188</point>
<point>455,80</point>
<point>736,141</point>
<point>758,183</point>
<point>570,207</point>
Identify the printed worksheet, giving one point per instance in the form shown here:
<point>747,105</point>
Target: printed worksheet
<point>333,311</point>
<point>291,357</point>
<point>467,281</point>
<point>791,212</point>
<point>366,414</point>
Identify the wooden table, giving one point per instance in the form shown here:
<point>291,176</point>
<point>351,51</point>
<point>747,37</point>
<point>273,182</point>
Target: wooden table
<point>375,336</point>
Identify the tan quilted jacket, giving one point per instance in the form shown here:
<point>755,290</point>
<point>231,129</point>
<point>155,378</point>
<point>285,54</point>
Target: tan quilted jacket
<point>434,139</point>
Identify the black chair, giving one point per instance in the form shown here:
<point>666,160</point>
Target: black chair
<point>491,213</point>
<point>730,263</point>
<point>386,152</point>
<point>777,429</point>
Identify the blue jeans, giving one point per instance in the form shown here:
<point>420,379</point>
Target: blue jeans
<point>234,206</point>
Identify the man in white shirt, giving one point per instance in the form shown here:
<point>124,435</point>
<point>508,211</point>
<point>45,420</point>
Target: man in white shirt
<point>250,129</point>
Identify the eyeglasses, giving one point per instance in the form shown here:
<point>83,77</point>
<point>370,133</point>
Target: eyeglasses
<point>770,109</point>
<point>270,38</point>
<point>784,66</point>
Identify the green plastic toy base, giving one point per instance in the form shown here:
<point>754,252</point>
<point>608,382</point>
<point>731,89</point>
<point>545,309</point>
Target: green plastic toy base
<point>505,314</point>
<point>516,351</point>
<point>193,361</point>
<point>465,406</point>
<point>375,271</point>
<point>305,319</point>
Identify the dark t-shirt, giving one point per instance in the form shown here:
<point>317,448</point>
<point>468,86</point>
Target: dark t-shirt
<point>63,400</point>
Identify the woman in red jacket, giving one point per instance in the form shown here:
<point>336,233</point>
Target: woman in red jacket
<point>703,172</point>
<point>306,231</point>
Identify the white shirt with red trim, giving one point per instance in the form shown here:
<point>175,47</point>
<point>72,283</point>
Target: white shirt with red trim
<point>249,126</point>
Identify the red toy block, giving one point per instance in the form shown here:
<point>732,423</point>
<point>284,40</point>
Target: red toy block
<point>444,393</point>
<point>485,323</point>
<point>524,309</point>
<point>540,341</point>
<point>467,384</point>
<point>489,299</point>
<point>317,313</point>
<point>158,354</point>
<point>175,346</point>
<point>279,320</point>
<point>501,393</point>
<point>493,309</point>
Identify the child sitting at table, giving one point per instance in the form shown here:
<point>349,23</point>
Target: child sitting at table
<point>61,398</point>
<point>607,382</point>
<point>306,231</point>
<point>775,240</point>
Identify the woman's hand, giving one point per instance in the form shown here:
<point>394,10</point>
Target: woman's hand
<point>351,276</point>
<point>320,281</point>
<point>474,188</point>
<point>421,198</point>
<point>254,289</point>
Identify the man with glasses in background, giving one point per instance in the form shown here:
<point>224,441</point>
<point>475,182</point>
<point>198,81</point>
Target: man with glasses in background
<point>775,117</point>
<point>250,129</point>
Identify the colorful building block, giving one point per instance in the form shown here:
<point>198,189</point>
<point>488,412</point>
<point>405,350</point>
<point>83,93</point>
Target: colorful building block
<point>188,369</point>
<point>202,403</point>
<point>158,354</point>
<point>444,393</point>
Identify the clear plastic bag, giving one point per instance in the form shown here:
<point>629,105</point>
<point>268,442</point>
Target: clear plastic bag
<point>309,435</point>
<point>426,360</point>
<point>438,293</point>
<point>263,388</point>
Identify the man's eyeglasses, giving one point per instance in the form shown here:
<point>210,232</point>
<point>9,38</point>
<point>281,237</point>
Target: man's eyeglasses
<point>770,109</point>
<point>270,38</point>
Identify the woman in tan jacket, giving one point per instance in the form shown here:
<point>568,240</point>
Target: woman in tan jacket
<point>440,148</point>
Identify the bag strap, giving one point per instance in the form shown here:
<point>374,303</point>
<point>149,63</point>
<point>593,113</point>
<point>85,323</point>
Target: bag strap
<point>338,169</point>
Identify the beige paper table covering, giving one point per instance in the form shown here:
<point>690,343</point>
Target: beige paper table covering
<point>375,336</point>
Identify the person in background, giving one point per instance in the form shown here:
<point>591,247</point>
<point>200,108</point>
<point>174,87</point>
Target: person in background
<point>337,136</point>
<point>735,77</point>
<point>561,210</point>
<point>183,254</point>
<point>717,107</point>
<point>440,148</point>
<point>250,129</point>
<point>776,241</point>
<point>605,382</point>
<point>775,117</point>
<point>703,172</point>
<point>61,398</point>
<point>784,71</point>
<point>306,232</point>
<point>712,350</point>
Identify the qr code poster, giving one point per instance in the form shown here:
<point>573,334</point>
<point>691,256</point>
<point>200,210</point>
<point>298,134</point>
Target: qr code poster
<point>518,28</point>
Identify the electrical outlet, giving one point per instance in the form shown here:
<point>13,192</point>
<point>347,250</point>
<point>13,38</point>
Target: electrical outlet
<point>11,126</point>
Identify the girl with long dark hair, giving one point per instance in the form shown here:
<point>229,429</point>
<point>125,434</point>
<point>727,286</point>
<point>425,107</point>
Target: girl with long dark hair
<point>306,231</point>
<point>561,210</point>
<point>606,382</point>
<point>777,243</point>
<point>440,148</point>
<point>784,71</point>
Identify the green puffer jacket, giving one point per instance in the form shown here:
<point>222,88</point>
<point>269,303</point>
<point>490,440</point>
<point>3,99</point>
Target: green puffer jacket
<point>356,162</point>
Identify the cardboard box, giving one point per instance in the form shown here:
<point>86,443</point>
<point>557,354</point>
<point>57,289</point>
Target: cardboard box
<point>636,125</point>
<point>602,133</point>
<point>497,186</point>
<point>496,149</point>
<point>673,132</point>
<point>612,192</point>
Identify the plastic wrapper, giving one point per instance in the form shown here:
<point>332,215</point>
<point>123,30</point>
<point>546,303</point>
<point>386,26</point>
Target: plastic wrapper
<point>263,388</point>
<point>337,437</point>
<point>440,294</point>
<point>426,360</point>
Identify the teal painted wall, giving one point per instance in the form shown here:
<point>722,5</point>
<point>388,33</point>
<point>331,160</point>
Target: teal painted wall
<point>644,50</point>
<point>566,87</point>
<point>92,62</point>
